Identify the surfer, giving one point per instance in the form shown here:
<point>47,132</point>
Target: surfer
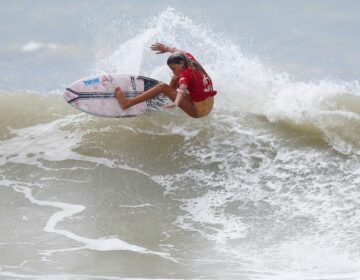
<point>190,88</point>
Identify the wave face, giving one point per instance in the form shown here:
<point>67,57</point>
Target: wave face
<point>266,187</point>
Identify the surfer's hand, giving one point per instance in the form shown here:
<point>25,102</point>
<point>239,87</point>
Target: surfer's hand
<point>159,48</point>
<point>170,106</point>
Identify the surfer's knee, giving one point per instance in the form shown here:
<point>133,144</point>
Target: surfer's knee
<point>160,87</point>
<point>167,90</point>
<point>163,86</point>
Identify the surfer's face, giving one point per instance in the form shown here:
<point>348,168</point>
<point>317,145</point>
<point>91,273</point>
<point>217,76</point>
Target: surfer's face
<point>177,68</point>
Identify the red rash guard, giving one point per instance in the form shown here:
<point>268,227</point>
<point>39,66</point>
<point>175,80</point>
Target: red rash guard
<point>198,84</point>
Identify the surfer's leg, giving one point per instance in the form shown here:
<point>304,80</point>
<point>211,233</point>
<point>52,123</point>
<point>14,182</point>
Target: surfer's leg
<point>185,104</point>
<point>146,95</point>
<point>188,107</point>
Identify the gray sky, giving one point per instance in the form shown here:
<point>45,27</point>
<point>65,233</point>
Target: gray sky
<point>45,44</point>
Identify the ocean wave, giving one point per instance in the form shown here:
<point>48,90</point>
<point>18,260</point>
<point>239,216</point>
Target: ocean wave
<point>246,84</point>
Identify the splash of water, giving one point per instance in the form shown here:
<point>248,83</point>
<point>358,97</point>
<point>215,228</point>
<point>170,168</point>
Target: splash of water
<point>330,108</point>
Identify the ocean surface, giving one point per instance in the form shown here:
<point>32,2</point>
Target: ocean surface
<point>266,187</point>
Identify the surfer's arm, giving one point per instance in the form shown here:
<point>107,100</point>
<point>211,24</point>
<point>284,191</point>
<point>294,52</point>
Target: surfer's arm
<point>180,93</point>
<point>174,50</point>
<point>162,48</point>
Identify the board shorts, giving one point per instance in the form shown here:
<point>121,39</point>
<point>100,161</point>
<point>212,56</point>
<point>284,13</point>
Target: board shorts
<point>204,107</point>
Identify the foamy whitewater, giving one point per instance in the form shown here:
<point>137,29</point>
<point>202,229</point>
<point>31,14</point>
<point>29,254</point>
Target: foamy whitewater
<point>266,187</point>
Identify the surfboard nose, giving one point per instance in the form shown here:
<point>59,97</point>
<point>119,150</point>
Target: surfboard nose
<point>69,95</point>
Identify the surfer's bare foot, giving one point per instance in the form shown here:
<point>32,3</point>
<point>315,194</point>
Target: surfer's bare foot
<point>124,102</point>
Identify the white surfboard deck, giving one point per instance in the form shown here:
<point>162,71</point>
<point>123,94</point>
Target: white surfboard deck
<point>95,95</point>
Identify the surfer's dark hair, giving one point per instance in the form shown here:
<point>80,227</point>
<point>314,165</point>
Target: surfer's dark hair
<point>176,58</point>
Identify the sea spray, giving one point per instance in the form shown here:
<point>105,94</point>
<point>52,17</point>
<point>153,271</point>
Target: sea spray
<point>244,83</point>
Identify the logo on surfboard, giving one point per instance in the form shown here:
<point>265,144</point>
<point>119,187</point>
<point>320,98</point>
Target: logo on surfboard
<point>92,82</point>
<point>106,80</point>
<point>133,84</point>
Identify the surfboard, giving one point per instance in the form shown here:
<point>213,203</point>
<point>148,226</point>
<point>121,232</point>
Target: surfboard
<point>95,95</point>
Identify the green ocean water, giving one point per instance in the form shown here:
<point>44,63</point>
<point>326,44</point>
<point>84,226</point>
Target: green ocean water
<point>266,187</point>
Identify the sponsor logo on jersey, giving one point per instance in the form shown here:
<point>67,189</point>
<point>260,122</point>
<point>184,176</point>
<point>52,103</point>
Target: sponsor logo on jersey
<point>206,81</point>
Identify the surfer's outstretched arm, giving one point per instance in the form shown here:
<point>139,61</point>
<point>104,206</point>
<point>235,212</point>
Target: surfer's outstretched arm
<point>162,48</point>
